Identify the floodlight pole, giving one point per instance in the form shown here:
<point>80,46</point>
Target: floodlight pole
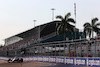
<point>34,22</point>
<point>75,26</point>
<point>75,17</point>
<point>52,14</point>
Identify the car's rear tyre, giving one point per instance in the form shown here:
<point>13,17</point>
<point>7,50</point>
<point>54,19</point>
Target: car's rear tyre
<point>9,60</point>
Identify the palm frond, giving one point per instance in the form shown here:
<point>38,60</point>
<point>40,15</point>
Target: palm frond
<point>93,21</point>
<point>88,31</point>
<point>87,24</point>
<point>57,24</point>
<point>96,29</point>
<point>70,28</point>
<point>60,30</point>
<point>59,17</point>
<point>67,15</point>
<point>71,20</point>
<point>98,24</point>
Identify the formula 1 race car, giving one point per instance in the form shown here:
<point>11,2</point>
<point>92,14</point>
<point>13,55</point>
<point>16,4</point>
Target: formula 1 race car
<point>15,59</point>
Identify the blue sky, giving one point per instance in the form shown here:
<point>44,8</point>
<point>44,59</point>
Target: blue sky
<point>17,16</point>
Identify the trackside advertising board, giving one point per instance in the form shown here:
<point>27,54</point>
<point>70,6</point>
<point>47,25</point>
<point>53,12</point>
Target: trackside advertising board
<point>52,59</point>
<point>81,61</point>
<point>94,62</point>
<point>34,58</point>
<point>69,61</point>
<point>64,60</point>
<point>60,60</point>
<point>4,58</point>
<point>45,59</point>
<point>40,58</point>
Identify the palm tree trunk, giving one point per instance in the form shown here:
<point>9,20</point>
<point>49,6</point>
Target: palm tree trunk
<point>65,36</point>
<point>69,50</point>
<point>75,50</point>
<point>92,34</point>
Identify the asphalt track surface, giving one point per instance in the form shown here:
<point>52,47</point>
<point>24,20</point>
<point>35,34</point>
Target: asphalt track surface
<point>34,64</point>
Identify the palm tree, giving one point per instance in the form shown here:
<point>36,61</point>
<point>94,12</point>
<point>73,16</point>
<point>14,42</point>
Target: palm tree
<point>64,24</point>
<point>90,28</point>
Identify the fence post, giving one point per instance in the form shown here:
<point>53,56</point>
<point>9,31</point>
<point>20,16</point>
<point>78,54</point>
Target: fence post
<point>95,46</point>
<point>87,61</point>
<point>55,49</point>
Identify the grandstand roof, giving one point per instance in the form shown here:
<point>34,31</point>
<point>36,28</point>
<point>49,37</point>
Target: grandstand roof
<point>30,31</point>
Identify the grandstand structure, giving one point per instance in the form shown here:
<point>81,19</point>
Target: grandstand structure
<point>43,33</point>
<point>39,35</point>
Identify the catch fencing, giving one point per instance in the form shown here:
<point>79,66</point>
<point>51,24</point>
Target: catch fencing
<point>72,48</point>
